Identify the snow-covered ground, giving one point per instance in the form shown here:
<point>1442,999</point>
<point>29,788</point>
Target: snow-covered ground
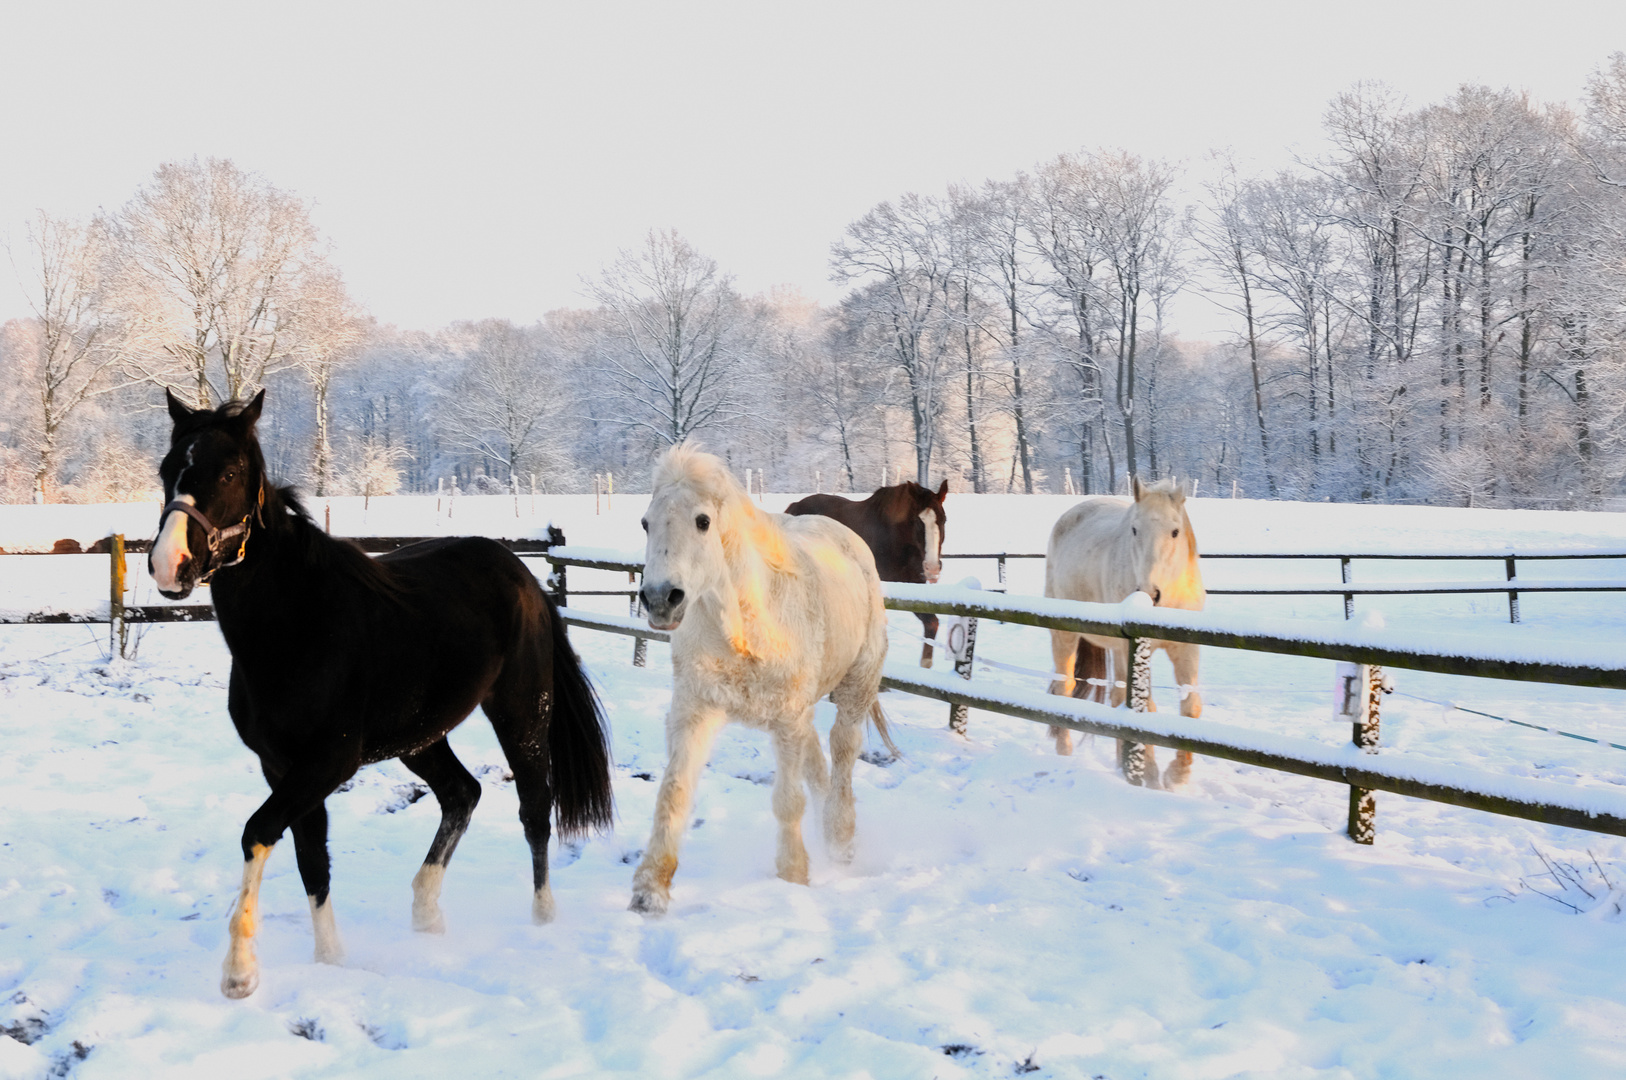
<point>1009,911</point>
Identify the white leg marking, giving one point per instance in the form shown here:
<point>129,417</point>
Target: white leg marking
<point>329,950</point>
<point>241,972</point>
<point>542,906</point>
<point>426,916</point>
<point>169,550</point>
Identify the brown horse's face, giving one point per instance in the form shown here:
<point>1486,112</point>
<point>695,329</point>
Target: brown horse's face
<point>933,522</point>
<point>1163,543</point>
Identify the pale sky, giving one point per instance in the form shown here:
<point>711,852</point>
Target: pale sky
<point>478,159</point>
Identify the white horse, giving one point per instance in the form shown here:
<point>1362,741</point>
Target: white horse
<point>768,614</point>
<point>1104,549</point>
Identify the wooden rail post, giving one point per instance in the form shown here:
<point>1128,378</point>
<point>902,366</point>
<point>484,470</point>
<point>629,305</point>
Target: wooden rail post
<point>1132,755</point>
<point>1349,598</point>
<point>963,653</point>
<point>1512,594</point>
<point>115,613</point>
<point>640,645</point>
<point>1359,688</point>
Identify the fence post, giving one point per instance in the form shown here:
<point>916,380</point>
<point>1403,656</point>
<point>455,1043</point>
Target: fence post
<point>1132,755</point>
<point>1349,598</point>
<point>640,646</point>
<point>960,634</point>
<point>1512,594</point>
<point>963,656</point>
<point>557,585</point>
<point>1357,693</point>
<point>1002,570</point>
<point>115,616</point>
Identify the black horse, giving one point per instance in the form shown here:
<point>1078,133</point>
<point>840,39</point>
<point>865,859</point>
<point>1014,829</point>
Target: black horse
<point>340,660</point>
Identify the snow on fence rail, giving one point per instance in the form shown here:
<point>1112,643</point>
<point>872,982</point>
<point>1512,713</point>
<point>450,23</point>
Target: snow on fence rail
<point>1596,810</point>
<point>1349,589</point>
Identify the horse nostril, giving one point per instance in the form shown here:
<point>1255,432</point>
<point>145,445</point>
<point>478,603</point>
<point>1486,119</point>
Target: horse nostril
<point>1157,596</point>
<point>674,598</point>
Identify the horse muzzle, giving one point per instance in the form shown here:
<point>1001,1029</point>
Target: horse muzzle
<point>665,604</point>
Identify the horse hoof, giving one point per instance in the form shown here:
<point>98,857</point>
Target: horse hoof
<point>648,903</point>
<point>429,922</point>
<point>240,986</point>
<point>542,906</point>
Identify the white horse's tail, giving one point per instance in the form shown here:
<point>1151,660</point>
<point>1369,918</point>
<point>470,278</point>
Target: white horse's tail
<point>878,717</point>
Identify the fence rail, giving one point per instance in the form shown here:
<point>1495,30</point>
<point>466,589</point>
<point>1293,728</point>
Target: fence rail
<point>1589,809</point>
<point>1349,589</point>
<point>1599,811</point>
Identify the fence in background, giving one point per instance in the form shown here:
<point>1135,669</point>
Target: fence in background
<point>1357,766</point>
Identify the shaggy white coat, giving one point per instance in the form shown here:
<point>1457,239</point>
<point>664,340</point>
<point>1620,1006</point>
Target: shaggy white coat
<point>777,612</point>
<point>1106,548</point>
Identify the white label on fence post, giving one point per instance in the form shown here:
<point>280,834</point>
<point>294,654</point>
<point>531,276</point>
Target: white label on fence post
<point>1349,692</point>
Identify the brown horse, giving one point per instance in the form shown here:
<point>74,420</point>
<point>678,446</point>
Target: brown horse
<point>903,526</point>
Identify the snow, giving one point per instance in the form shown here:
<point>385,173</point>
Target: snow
<point>1005,906</point>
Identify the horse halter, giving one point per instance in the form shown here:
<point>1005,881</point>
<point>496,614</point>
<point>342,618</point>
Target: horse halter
<point>219,539</point>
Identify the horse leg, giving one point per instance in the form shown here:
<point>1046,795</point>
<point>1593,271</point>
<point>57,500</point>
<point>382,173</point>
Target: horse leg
<point>846,739</point>
<point>1063,653</point>
<point>529,761</point>
<point>294,794</point>
<point>790,798</point>
<point>1184,658</point>
<point>458,793</point>
<point>928,625</point>
<point>310,848</point>
<point>690,731</point>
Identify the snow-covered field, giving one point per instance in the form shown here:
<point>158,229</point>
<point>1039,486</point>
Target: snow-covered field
<point>1009,912</point>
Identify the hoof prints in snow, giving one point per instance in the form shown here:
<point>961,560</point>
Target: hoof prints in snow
<point>405,796</point>
<point>307,1027</point>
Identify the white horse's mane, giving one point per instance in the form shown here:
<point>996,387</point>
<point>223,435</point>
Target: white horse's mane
<point>686,465</point>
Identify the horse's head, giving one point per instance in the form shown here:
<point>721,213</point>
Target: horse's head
<point>695,508</point>
<point>214,476</point>
<point>926,523</point>
<point>1164,544</point>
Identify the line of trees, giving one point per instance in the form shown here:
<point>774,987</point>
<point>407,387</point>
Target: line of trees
<point>1434,309</point>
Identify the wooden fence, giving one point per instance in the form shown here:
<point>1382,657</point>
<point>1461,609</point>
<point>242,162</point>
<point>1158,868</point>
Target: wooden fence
<point>1349,589</point>
<point>1359,766</point>
<point>1590,809</point>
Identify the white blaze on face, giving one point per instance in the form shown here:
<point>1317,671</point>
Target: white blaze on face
<point>934,545</point>
<point>169,550</point>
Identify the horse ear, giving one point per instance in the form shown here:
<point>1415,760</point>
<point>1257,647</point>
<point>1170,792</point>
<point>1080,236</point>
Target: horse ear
<point>1137,487</point>
<point>178,410</point>
<point>942,491</point>
<point>251,412</point>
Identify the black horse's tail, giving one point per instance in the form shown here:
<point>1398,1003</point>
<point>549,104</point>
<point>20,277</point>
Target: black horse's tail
<point>578,742</point>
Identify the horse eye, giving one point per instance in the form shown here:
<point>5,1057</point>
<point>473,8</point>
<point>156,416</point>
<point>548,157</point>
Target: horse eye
<point>1175,533</point>
<point>703,522</point>
<point>1133,531</point>
<point>645,524</point>
<point>227,478</point>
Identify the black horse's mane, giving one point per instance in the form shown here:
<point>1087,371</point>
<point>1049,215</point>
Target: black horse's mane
<point>286,515</point>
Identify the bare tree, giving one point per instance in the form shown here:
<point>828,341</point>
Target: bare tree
<point>678,342</point>
<point>900,257</point>
<point>209,263</point>
<point>65,354</point>
<point>326,329</point>
<point>505,405</point>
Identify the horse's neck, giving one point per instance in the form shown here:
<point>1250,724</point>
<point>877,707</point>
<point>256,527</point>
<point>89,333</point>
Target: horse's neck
<point>274,573</point>
<point>744,605</point>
